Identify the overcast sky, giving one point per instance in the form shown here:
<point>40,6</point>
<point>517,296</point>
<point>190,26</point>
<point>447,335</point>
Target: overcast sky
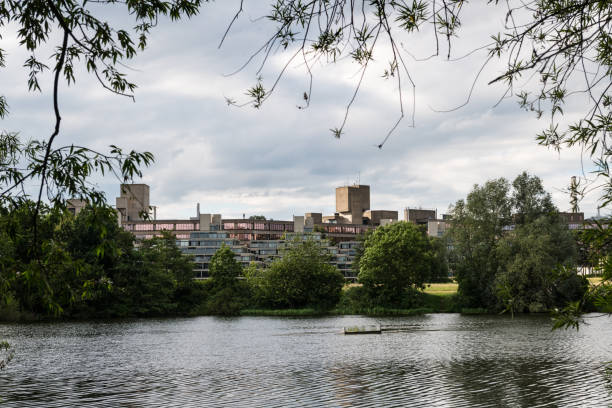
<point>279,160</point>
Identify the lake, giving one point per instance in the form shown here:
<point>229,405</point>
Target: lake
<point>435,360</point>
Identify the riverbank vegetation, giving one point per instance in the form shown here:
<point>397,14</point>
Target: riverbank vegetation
<point>48,271</point>
<point>511,250</point>
<point>88,267</point>
<point>507,249</point>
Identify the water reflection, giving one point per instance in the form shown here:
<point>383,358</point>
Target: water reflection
<point>433,361</point>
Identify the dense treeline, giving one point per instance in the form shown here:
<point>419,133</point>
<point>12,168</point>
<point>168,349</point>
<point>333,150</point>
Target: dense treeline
<point>87,266</point>
<point>511,250</point>
<point>507,249</point>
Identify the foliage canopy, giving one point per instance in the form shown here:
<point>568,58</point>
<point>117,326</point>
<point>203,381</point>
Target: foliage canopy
<point>301,277</point>
<point>396,258</point>
<point>511,250</point>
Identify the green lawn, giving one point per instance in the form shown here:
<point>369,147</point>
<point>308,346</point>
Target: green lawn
<point>441,289</point>
<point>440,296</point>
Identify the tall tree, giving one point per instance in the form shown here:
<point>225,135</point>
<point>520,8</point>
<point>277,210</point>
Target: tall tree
<point>228,293</point>
<point>537,267</point>
<point>396,259</point>
<point>302,277</point>
<point>511,249</point>
<point>478,223</point>
<point>529,199</point>
<point>224,269</point>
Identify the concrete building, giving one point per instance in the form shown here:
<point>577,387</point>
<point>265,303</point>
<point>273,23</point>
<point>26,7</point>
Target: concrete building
<point>380,217</point>
<point>574,220</point>
<point>133,202</point>
<point>437,228</point>
<point>345,259</point>
<point>343,254</point>
<point>298,223</point>
<point>352,202</point>
<point>202,246</point>
<point>419,215</point>
<point>258,240</point>
<point>353,207</point>
<point>316,218</point>
<point>75,205</point>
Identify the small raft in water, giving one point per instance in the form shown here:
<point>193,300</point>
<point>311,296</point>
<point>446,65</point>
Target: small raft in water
<point>371,329</point>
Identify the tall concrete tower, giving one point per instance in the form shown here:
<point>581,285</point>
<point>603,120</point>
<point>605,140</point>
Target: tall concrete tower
<point>133,201</point>
<point>352,202</point>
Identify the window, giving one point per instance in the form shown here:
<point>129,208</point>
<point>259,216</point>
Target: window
<point>143,227</point>
<point>228,225</point>
<point>185,226</point>
<point>161,227</point>
<point>260,226</point>
<point>241,237</point>
<point>244,226</point>
<point>276,227</point>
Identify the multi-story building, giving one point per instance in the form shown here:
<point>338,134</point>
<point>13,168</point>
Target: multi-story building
<point>256,240</point>
<point>74,205</point>
<point>378,218</point>
<point>342,254</point>
<point>420,215</point>
<point>437,228</point>
<point>202,246</point>
<point>352,202</point>
<point>133,202</point>
<point>345,258</point>
<point>574,220</point>
<point>261,240</point>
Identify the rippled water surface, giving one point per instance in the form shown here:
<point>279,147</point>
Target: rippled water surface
<point>438,360</point>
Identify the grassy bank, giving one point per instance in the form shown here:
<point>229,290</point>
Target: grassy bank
<point>375,311</point>
<point>442,289</point>
<point>282,312</point>
<point>440,297</point>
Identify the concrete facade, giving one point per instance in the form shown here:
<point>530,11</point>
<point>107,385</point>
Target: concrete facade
<point>75,206</point>
<point>419,215</point>
<point>574,220</point>
<point>317,218</point>
<point>352,202</point>
<point>133,202</point>
<point>202,245</point>
<point>380,217</point>
<point>437,228</point>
